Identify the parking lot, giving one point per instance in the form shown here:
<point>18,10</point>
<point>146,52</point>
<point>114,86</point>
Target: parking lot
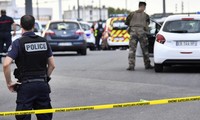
<point>101,78</point>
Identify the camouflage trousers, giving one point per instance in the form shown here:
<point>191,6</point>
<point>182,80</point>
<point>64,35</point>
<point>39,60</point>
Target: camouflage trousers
<point>142,38</point>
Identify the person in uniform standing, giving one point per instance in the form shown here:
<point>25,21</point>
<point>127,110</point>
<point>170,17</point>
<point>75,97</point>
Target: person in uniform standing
<point>6,23</point>
<point>99,31</point>
<point>35,63</point>
<point>138,22</point>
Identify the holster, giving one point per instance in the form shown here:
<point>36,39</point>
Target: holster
<point>16,73</point>
<point>16,87</point>
<point>48,79</point>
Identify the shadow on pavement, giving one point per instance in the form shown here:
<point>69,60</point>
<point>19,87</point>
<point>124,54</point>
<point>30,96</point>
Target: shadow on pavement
<point>182,69</point>
<point>65,54</point>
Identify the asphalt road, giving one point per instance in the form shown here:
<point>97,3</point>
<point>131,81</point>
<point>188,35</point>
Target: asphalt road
<point>101,78</point>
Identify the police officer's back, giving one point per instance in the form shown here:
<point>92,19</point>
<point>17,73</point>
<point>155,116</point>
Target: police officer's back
<point>35,63</point>
<point>6,23</point>
<point>100,28</point>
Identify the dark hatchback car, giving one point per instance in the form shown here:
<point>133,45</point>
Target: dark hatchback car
<point>66,36</point>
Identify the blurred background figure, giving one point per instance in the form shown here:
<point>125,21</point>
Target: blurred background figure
<point>99,28</point>
<point>6,23</point>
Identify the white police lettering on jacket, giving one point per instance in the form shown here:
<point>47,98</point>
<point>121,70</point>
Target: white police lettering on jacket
<point>36,47</point>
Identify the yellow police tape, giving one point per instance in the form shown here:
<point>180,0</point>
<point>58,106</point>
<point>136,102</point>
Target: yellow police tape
<point>101,107</point>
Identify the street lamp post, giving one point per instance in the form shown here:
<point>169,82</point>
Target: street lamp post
<point>99,9</point>
<point>126,7</point>
<point>78,9</point>
<point>164,8</point>
<point>60,9</point>
<point>28,7</point>
<point>38,16</point>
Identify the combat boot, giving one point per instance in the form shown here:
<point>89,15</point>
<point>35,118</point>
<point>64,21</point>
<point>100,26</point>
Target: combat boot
<point>149,66</point>
<point>130,68</point>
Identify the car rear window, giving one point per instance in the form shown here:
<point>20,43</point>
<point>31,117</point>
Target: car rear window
<point>182,26</point>
<point>119,25</point>
<point>64,26</point>
<point>85,26</point>
<point>37,26</point>
<point>18,27</point>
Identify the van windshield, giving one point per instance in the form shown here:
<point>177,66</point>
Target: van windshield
<point>182,26</point>
<point>119,25</point>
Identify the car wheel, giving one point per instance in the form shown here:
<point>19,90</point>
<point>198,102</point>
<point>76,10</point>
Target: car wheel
<point>113,48</point>
<point>92,48</point>
<point>83,52</point>
<point>158,68</point>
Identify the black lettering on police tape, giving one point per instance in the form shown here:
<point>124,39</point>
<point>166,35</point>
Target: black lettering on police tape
<point>184,100</point>
<point>18,113</point>
<point>142,104</point>
<point>60,110</point>
<point>80,109</point>
<point>93,107</point>
<point>137,104</point>
<point>195,99</point>
<point>26,113</point>
<point>87,108</point>
<point>72,109</point>
<point>9,114</point>
<point>117,106</point>
<point>172,101</point>
<point>131,105</point>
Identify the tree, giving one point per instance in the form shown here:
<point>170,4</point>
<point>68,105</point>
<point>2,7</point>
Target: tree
<point>112,10</point>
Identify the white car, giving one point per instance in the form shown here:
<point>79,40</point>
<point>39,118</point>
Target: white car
<point>89,35</point>
<point>178,42</point>
<point>38,29</point>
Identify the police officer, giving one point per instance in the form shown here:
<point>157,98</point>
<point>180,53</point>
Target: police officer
<point>99,31</point>
<point>5,31</point>
<point>35,63</point>
<point>138,22</point>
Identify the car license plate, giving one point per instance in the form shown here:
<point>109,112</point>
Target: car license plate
<point>121,38</point>
<point>186,43</point>
<point>65,44</point>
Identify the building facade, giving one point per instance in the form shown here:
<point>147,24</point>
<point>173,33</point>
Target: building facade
<point>42,14</point>
<point>87,13</point>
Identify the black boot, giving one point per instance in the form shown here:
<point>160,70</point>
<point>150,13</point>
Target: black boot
<point>149,66</point>
<point>130,68</point>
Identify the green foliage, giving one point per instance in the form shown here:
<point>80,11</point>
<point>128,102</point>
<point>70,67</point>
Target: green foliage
<point>112,10</point>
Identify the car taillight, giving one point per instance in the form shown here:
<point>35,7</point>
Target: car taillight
<point>79,32</point>
<point>160,38</point>
<point>50,33</point>
<point>187,18</point>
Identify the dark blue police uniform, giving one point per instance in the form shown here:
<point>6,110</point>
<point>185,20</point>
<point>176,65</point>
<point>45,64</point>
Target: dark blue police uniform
<point>5,32</point>
<point>34,91</point>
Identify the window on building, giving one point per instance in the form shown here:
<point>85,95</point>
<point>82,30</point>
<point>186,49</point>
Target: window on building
<point>91,12</point>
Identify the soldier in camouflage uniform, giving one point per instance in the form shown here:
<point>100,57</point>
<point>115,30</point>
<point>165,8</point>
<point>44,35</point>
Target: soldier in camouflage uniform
<point>138,22</point>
